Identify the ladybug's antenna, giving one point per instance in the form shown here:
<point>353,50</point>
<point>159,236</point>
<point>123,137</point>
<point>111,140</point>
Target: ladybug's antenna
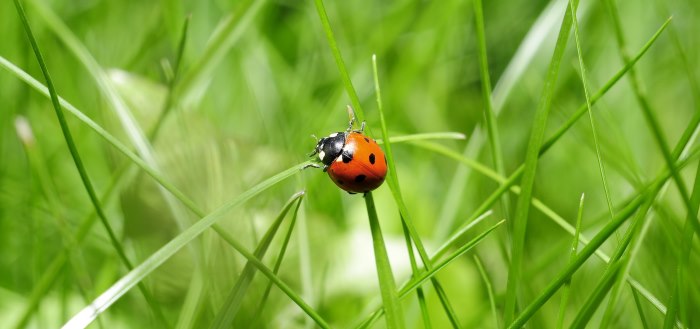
<point>351,115</point>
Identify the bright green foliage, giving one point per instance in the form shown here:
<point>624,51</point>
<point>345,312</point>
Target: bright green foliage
<point>146,177</point>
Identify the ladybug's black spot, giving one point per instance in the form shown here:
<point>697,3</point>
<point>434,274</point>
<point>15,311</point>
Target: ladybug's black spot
<point>371,158</point>
<point>347,157</point>
<point>360,178</point>
<point>366,139</point>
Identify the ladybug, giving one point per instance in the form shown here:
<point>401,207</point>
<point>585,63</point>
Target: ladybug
<point>353,161</point>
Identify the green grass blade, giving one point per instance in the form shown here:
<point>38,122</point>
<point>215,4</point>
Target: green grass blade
<point>172,81</point>
<point>676,297</point>
<point>272,277</point>
<point>393,182</point>
<point>423,136</point>
<point>414,268</point>
<point>531,158</point>
<point>278,263</point>
<point>347,82</point>
<point>489,290</point>
<point>87,183</point>
<point>414,283</point>
<point>650,117</point>
<point>123,285</point>
<point>640,310</point>
<point>586,92</point>
<point>387,285</point>
<point>195,81</point>
<point>548,212</point>
<point>574,249</point>
<point>489,114</point>
<point>233,302</point>
<point>491,199</point>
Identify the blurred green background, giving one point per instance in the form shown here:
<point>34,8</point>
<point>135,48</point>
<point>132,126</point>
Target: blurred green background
<point>243,107</point>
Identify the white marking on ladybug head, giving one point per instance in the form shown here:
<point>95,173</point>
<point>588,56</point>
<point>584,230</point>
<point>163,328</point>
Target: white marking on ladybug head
<point>321,155</point>
<point>333,135</point>
<point>339,159</point>
<point>349,148</point>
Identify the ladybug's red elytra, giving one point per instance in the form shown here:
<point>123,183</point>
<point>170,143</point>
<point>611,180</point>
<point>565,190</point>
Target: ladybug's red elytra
<point>353,161</point>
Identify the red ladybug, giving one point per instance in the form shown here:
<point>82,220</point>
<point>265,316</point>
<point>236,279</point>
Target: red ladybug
<point>353,161</point>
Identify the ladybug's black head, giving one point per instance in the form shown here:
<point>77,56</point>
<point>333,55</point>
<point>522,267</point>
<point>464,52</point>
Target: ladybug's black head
<point>329,148</point>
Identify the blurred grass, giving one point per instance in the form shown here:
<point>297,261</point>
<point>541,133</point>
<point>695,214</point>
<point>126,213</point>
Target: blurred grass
<point>258,77</point>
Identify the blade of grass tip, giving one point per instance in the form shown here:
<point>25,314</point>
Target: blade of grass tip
<point>414,283</point>
<point>272,277</point>
<point>676,298</point>
<point>123,285</point>
<point>230,308</point>
<point>586,92</point>
<point>278,264</point>
<point>614,268</point>
<point>423,136</point>
<point>489,113</point>
<point>172,81</point>
<point>393,182</point>
<point>489,290</point>
<point>564,275</point>
<point>649,115</point>
<point>592,246</point>
<point>640,310</point>
<point>337,56</point>
<point>555,217</point>
<point>387,286</point>
<point>574,248</point>
<point>530,169</point>
<point>87,183</point>
<point>621,279</point>
<point>414,268</point>
<point>194,83</point>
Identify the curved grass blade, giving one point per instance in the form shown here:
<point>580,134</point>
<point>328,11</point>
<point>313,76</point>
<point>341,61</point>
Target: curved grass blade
<point>489,290</point>
<point>414,283</point>
<point>531,159</point>
<point>278,263</point>
<point>423,136</point>
<point>233,302</point>
<point>87,183</point>
<point>489,113</point>
<point>586,93</point>
<point>650,117</point>
<point>229,30</point>
<point>545,210</point>
<point>393,182</point>
<point>387,285</point>
<point>347,82</point>
<point>594,244</point>
<point>574,249</point>
<point>117,290</point>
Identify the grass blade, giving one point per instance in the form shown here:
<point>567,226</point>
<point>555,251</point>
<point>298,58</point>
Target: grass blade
<point>349,88</point>
<point>574,249</point>
<point>387,286</point>
<point>531,158</point>
<point>586,92</point>
<point>278,263</point>
<point>412,284</point>
<point>393,182</point>
<point>87,183</point>
<point>233,302</point>
<point>489,114</point>
<point>117,290</point>
<point>489,290</point>
<point>650,117</point>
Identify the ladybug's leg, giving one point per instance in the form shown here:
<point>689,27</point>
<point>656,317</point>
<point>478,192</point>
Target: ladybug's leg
<point>352,121</point>
<point>314,165</point>
<point>362,127</point>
